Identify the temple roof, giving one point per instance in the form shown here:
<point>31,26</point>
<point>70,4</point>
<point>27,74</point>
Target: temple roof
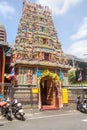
<point>73,57</point>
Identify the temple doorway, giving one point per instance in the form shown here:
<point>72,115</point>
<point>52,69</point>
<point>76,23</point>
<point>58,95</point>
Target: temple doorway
<point>50,89</point>
<point>47,91</point>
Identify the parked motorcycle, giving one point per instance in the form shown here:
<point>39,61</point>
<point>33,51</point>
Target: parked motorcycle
<point>83,107</point>
<point>18,111</point>
<point>6,110</point>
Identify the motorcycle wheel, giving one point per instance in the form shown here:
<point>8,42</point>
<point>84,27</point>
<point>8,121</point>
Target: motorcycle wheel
<point>22,118</point>
<point>9,117</point>
<point>2,110</point>
<point>82,110</point>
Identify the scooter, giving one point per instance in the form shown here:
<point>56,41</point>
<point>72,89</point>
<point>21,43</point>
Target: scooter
<point>6,111</point>
<point>83,107</point>
<point>18,111</point>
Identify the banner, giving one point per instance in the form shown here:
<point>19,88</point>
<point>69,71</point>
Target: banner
<point>65,95</point>
<point>80,77</point>
<point>38,73</point>
<point>60,75</point>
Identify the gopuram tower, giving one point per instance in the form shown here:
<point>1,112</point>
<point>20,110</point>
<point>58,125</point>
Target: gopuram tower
<point>37,55</point>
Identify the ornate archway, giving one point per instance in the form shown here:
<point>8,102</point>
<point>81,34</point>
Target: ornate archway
<point>49,90</point>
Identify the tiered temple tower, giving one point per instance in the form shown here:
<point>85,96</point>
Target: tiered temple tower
<point>37,47</point>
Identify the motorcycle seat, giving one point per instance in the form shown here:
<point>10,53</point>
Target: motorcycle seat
<point>3,103</point>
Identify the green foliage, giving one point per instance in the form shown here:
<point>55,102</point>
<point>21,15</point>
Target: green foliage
<point>81,83</point>
<point>72,76</point>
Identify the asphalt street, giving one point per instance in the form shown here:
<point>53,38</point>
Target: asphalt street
<point>48,120</point>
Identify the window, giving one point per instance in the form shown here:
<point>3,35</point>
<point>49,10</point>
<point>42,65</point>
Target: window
<point>46,56</point>
<point>42,29</point>
<point>41,19</point>
<point>44,40</point>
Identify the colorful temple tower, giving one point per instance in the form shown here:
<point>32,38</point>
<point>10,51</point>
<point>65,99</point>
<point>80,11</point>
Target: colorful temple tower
<point>38,57</point>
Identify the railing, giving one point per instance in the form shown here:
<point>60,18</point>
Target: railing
<point>5,84</point>
<point>76,90</point>
<point>7,89</point>
<point>26,97</point>
<point>81,86</point>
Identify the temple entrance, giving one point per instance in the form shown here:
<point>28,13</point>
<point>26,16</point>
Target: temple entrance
<point>50,88</point>
<point>46,87</point>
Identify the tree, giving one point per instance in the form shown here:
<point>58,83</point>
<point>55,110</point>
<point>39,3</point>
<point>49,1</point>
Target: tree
<point>72,75</point>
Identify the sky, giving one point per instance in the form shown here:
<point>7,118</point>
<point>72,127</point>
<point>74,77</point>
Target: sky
<point>69,17</point>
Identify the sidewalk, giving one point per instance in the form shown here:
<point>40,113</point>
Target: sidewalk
<point>34,112</point>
